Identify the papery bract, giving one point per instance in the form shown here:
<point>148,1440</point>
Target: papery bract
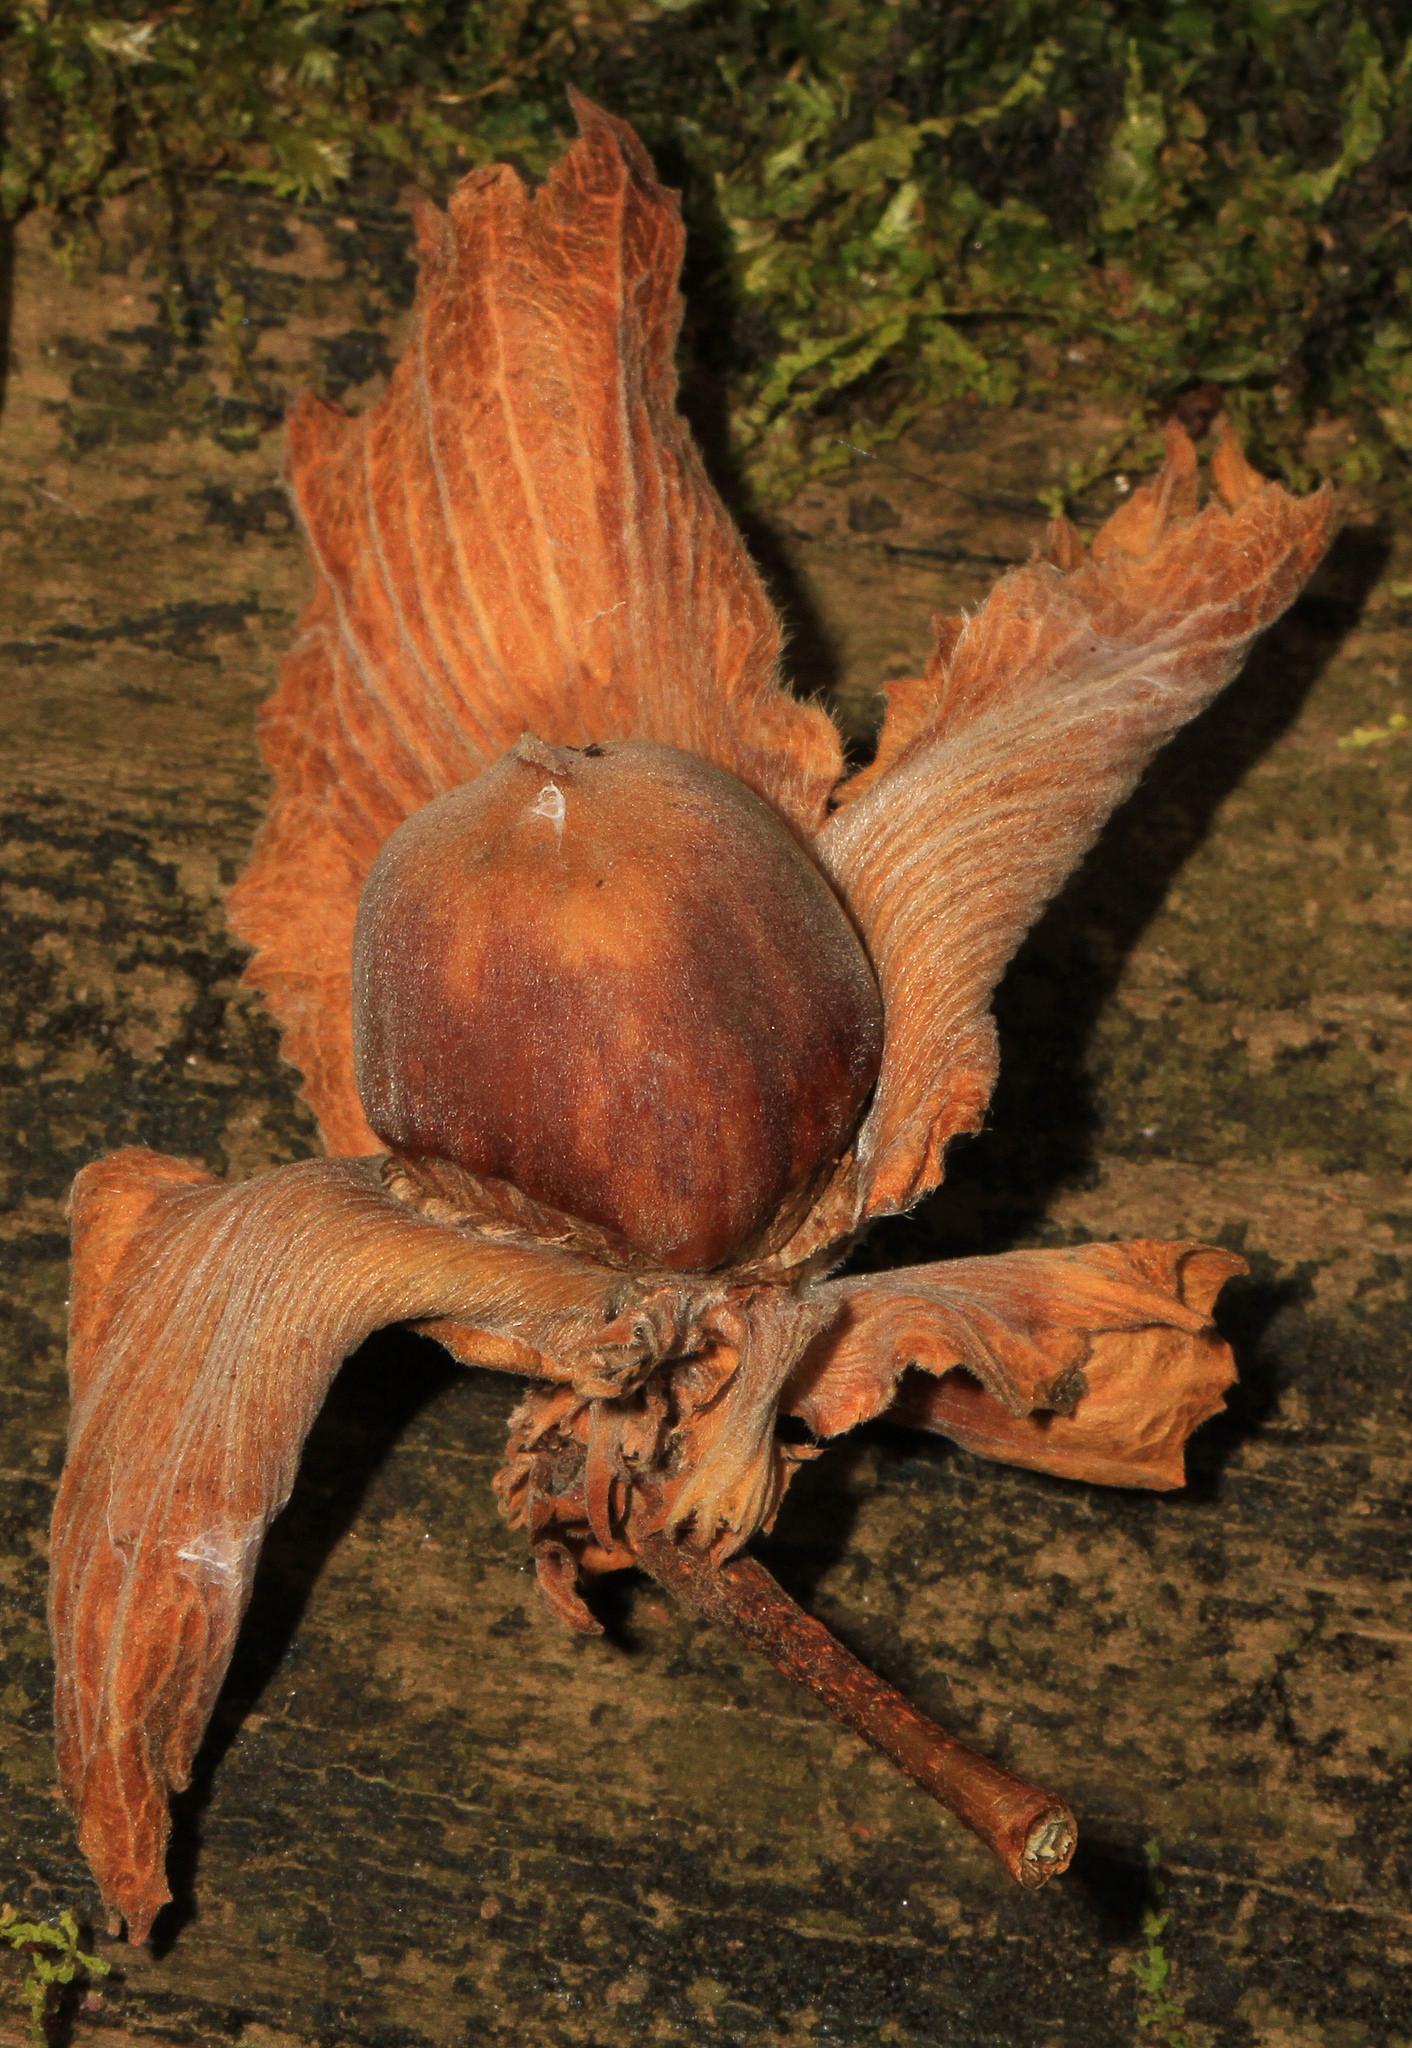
<point>521,539</point>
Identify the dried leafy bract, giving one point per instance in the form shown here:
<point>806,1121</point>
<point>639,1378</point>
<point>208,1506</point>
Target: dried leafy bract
<point>646,1012</point>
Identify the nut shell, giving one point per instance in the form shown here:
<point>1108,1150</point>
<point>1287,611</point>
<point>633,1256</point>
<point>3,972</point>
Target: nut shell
<point>615,978</point>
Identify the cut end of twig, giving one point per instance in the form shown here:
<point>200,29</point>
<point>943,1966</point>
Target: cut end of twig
<point>1050,1842</point>
<point>1031,1832</point>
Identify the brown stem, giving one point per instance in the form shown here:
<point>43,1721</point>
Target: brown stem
<point>1031,1831</point>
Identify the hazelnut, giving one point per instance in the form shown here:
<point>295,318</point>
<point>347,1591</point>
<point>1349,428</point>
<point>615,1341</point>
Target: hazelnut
<point>614,977</point>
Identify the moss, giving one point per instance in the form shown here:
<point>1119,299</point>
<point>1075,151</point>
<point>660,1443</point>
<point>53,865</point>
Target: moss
<point>53,1960</point>
<point>892,207</point>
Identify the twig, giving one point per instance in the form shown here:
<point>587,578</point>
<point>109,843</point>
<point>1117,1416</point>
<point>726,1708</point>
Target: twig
<point>1031,1831</point>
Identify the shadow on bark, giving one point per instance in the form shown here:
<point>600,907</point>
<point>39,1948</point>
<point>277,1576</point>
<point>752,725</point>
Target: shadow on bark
<point>1253,1315</point>
<point>1117,1883</point>
<point>716,339</point>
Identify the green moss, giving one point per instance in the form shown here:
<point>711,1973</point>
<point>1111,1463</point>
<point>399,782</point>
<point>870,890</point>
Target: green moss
<point>1161,2006</point>
<point>892,207</point>
<point>53,1958</point>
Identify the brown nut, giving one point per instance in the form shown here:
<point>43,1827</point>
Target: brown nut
<point>615,978</point>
